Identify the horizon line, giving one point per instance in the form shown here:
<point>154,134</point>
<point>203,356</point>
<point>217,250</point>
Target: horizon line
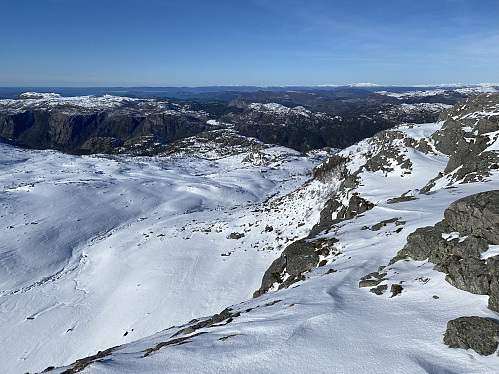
<point>355,85</point>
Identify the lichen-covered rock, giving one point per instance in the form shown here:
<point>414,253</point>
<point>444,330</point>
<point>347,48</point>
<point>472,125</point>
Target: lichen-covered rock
<point>494,294</point>
<point>469,274</point>
<point>477,333</point>
<point>470,247</point>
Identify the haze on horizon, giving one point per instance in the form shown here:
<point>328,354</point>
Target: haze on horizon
<point>255,42</point>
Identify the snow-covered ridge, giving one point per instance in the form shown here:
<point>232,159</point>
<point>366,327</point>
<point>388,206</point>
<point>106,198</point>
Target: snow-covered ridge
<point>89,104</point>
<point>364,85</point>
<point>53,100</point>
<point>418,107</point>
<point>404,95</point>
<point>466,90</point>
<point>279,109</point>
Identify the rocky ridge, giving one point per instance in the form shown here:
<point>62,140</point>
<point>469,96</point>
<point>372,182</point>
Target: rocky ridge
<point>467,135</point>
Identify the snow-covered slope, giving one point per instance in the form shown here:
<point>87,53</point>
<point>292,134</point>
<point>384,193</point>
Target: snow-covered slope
<point>99,251</point>
<point>326,323</point>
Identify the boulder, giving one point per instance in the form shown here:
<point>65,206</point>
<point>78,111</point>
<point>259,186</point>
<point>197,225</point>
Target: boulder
<point>476,219</point>
<point>477,333</point>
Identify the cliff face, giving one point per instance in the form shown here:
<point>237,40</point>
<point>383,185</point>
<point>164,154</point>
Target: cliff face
<point>69,132</point>
<point>76,124</point>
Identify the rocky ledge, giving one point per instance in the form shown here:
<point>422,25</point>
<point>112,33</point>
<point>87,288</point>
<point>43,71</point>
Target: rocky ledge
<point>457,246</point>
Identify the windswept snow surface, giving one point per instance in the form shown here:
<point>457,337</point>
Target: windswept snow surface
<point>103,250</point>
<point>327,324</point>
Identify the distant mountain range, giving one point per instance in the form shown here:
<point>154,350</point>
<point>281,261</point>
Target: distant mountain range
<point>228,92</point>
<point>302,118</point>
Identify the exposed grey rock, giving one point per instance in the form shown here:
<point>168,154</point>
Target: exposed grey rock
<point>383,159</point>
<point>216,318</point>
<point>380,290</point>
<point>476,219</point>
<point>469,274</point>
<point>477,333</point>
<point>401,199</point>
<point>297,258</point>
<point>335,164</point>
<point>379,225</point>
<point>422,244</point>
<point>476,215</point>
<point>81,364</point>
<point>372,279</point>
<point>494,294</point>
<point>396,289</point>
<point>334,208</point>
<point>235,235</point>
<point>430,184</point>
<point>463,137</point>
<point>470,247</point>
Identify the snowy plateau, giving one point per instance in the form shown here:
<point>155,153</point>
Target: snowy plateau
<point>126,264</point>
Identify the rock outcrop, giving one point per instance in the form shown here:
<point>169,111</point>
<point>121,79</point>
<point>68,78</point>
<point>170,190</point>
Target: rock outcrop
<point>456,243</point>
<point>297,258</point>
<point>477,333</point>
<point>469,129</point>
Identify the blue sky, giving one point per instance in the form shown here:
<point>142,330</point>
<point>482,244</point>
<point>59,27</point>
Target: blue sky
<point>250,42</point>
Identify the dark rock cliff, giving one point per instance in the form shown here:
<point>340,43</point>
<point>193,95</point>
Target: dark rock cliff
<point>79,132</point>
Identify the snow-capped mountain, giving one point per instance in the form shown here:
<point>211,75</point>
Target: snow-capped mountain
<point>103,251</point>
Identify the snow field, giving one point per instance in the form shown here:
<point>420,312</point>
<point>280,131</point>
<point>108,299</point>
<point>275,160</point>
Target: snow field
<point>99,251</point>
